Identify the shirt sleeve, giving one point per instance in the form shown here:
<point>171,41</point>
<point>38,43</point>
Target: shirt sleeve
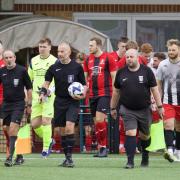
<point>151,78</point>
<point>30,72</point>
<point>117,82</point>
<point>112,63</point>
<point>49,74</point>
<point>159,74</point>
<point>81,76</point>
<point>27,80</point>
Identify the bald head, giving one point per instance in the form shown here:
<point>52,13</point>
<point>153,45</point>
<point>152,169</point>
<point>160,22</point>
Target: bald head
<point>132,58</point>
<point>64,51</point>
<point>9,58</point>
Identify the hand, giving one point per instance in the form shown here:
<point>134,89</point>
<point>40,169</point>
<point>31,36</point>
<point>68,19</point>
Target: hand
<point>161,112</point>
<point>114,113</point>
<point>42,98</point>
<point>28,110</point>
<point>78,97</point>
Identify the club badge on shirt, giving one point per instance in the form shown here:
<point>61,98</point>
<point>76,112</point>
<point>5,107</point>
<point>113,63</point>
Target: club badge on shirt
<point>140,79</point>
<point>70,78</point>
<point>16,82</point>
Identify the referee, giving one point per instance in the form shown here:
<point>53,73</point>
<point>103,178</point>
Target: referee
<point>66,108</point>
<point>14,79</point>
<point>134,85</point>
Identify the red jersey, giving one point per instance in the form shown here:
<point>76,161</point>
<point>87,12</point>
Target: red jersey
<point>115,55</point>
<point>98,69</point>
<point>2,64</point>
<point>122,62</point>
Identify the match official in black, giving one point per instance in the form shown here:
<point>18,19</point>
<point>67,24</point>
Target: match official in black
<point>66,108</point>
<point>133,86</point>
<point>14,79</point>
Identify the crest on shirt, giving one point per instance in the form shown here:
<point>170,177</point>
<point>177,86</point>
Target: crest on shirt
<point>140,79</point>
<point>102,61</point>
<point>70,78</point>
<point>16,82</point>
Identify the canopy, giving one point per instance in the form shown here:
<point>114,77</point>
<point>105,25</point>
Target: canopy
<point>25,31</point>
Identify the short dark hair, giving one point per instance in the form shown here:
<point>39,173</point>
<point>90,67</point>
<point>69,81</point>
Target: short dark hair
<point>123,39</point>
<point>44,40</point>
<point>160,56</point>
<point>97,40</point>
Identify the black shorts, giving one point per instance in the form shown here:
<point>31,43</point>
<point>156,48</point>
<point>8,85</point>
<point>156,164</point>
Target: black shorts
<point>12,112</point>
<point>136,119</point>
<point>65,110</point>
<point>101,104</point>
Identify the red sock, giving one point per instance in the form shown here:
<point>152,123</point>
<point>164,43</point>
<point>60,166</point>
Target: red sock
<point>122,132</point>
<point>101,133</point>
<point>56,146</point>
<point>88,142</point>
<point>7,142</point>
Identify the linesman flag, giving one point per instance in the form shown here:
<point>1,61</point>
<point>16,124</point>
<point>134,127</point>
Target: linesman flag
<point>23,143</point>
<point>157,137</point>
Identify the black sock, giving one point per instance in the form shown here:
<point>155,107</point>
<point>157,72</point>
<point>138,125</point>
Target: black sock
<point>64,145</point>
<point>19,156</point>
<point>12,145</point>
<point>177,140</point>
<point>144,145</point>
<point>70,144</point>
<point>130,145</point>
<point>169,138</point>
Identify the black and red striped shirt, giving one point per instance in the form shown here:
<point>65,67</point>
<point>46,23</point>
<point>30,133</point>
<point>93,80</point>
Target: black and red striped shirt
<point>99,69</point>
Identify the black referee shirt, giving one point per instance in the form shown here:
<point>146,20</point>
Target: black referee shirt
<point>64,75</point>
<point>135,87</point>
<point>13,82</point>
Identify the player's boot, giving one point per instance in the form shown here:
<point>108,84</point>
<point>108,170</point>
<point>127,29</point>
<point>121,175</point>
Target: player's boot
<point>19,160</point>
<point>8,162</point>
<point>145,160</point>
<point>169,156</point>
<point>46,153</point>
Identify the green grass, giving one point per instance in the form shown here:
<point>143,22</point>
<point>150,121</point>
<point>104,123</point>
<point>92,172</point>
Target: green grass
<point>89,168</point>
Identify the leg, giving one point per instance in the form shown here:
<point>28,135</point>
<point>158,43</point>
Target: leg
<point>13,131</point>
<point>6,130</point>
<point>145,142</point>
<point>130,146</point>
<point>177,128</point>
<point>47,136</point>
<point>101,134</point>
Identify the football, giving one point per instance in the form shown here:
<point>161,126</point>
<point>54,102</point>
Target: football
<point>75,88</point>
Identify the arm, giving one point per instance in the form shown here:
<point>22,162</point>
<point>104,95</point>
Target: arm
<point>114,101</point>
<point>113,75</point>
<point>157,98</point>
<point>44,91</point>
<point>29,100</point>
<point>159,83</point>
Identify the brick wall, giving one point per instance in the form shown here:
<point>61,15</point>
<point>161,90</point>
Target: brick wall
<point>65,11</point>
<point>113,8</point>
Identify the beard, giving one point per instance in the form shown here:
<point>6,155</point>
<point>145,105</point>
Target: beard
<point>173,56</point>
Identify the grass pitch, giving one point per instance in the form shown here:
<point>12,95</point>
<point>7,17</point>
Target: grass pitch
<point>89,168</point>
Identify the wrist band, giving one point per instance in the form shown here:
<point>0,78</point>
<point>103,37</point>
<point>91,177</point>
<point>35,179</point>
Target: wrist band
<point>159,107</point>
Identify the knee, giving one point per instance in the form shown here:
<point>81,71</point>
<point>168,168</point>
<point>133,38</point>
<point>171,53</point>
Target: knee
<point>131,132</point>
<point>169,124</point>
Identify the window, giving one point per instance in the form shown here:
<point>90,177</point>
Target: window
<point>112,26</point>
